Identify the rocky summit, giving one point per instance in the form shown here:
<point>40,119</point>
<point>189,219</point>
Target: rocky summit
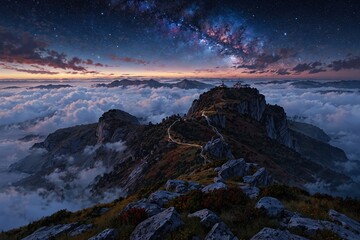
<point>233,168</point>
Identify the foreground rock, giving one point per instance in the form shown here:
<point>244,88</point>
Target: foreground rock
<point>81,229</point>
<point>180,186</point>
<point>158,226</point>
<point>272,206</point>
<point>162,197</point>
<point>260,178</point>
<point>107,234</point>
<point>207,217</point>
<point>214,186</point>
<point>219,149</point>
<point>269,233</point>
<point>45,233</point>
<point>311,226</point>
<point>151,209</point>
<point>232,168</point>
<point>345,221</point>
<point>220,231</point>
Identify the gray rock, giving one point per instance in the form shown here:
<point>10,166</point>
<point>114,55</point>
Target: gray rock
<point>251,192</point>
<point>207,217</point>
<point>269,233</point>
<point>107,234</point>
<point>260,178</point>
<point>214,186</point>
<point>272,206</point>
<point>150,208</point>
<point>81,229</point>
<point>158,226</point>
<point>253,107</point>
<point>162,197</point>
<point>344,221</point>
<point>220,231</point>
<point>232,168</point>
<point>219,149</point>
<point>310,226</point>
<point>45,233</point>
<point>180,186</point>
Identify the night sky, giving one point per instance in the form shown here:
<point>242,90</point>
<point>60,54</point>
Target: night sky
<point>247,39</point>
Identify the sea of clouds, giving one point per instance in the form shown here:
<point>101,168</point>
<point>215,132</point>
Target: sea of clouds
<point>25,111</point>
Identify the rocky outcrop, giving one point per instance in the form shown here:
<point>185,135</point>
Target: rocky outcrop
<point>158,226</point>
<point>47,233</point>
<point>112,125</point>
<point>272,206</point>
<point>151,209</point>
<point>260,178</point>
<point>254,107</point>
<point>162,197</point>
<point>311,226</point>
<point>220,231</point>
<point>180,186</point>
<point>277,126</point>
<point>232,168</point>
<point>271,234</point>
<point>344,221</point>
<point>214,186</point>
<point>207,217</point>
<point>107,234</point>
<point>81,229</point>
<point>218,149</point>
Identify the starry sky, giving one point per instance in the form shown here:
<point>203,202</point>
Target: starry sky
<point>68,39</point>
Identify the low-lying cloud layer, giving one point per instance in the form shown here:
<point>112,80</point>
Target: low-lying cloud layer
<point>337,112</point>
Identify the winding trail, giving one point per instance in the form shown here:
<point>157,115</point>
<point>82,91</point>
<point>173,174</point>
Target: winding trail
<point>212,127</point>
<point>202,153</point>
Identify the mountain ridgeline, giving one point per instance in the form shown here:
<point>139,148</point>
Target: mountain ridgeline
<point>230,148</point>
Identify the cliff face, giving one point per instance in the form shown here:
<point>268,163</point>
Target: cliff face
<point>113,125</point>
<point>250,103</point>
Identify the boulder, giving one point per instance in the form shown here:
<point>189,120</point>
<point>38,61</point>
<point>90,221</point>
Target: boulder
<point>207,217</point>
<point>219,149</point>
<point>220,231</point>
<point>158,226</point>
<point>180,186</point>
<point>214,186</point>
<point>344,221</point>
<point>260,178</point>
<point>107,234</point>
<point>151,209</point>
<point>162,197</point>
<point>311,226</point>
<point>272,206</point>
<point>45,233</point>
<point>270,234</point>
<point>250,191</point>
<point>232,168</point>
<point>81,229</point>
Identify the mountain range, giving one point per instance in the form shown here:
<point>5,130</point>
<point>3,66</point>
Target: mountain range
<point>231,154</point>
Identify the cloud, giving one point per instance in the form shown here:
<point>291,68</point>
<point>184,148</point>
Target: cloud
<point>128,60</point>
<point>25,49</point>
<point>312,68</point>
<point>349,63</point>
<point>338,113</point>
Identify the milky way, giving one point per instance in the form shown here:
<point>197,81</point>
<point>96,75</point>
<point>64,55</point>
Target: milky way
<point>111,38</point>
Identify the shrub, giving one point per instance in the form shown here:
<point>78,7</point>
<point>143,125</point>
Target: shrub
<point>133,216</point>
<point>284,192</point>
